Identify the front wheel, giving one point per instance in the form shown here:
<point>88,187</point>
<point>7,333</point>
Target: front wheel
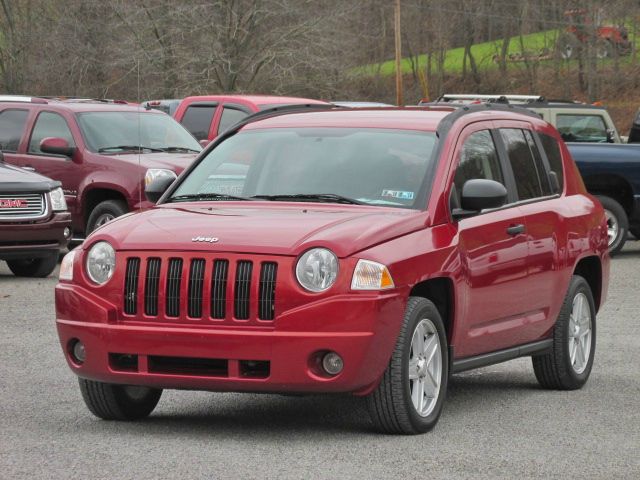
<point>34,267</point>
<point>617,223</point>
<point>410,396</point>
<point>118,402</point>
<point>568,365</point>
<point>104,212</point>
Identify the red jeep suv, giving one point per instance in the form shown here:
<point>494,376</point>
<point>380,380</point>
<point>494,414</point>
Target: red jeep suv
<point>368,251</point>
<point>103,152</point>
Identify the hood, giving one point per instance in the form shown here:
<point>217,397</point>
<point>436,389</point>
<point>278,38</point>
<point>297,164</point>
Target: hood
<point>260,228</point>
<point>171,161</point>
<point>17,180</point>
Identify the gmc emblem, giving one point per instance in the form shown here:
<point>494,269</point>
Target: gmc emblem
<point>13,203</point>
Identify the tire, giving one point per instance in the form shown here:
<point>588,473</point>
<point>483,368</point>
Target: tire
<point>105,212</point>
<point>118,402</point>
<point>391,405</point>
<point>34,267</point>
<point>635,232</point>
<point>617,223</point>
<point>558,370</point>
<point>568,47</point>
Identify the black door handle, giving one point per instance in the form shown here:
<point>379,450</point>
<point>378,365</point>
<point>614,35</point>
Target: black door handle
<point>515,229</point>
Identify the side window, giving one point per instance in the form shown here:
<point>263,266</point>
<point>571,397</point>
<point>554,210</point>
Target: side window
<point>522,163</point>
<point>230,116</point>
<point>478,159</point>
<point>49,124</point>
<point>581,128</point>
<point>11,127</point>
<point>197,119</point>
<point>542,173</point>
<point>552,149</point>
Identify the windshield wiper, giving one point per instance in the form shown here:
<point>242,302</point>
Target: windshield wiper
<point>135,148</point>
<point>178,149</point>
<point>206,196</point>
<point>312,197</point>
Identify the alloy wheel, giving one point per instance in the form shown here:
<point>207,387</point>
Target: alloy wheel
<point>425,367</point>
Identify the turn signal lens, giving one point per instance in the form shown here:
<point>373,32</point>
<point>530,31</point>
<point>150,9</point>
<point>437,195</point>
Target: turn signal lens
<point>370,275</point>
<point>66,267</point>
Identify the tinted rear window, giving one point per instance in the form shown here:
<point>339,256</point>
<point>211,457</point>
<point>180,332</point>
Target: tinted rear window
<point>11,128</point>
<point>197,119</point>
<point>522,164</point>
<point>552,149</point>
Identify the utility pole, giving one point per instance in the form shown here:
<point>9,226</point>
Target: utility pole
<point>398,36</point>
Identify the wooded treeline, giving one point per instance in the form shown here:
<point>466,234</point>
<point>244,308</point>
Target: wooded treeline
<point>140,49</point>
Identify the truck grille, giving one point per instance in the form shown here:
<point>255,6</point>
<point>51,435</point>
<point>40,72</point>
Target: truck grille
<point>214,290</point>
<point>20,206</point>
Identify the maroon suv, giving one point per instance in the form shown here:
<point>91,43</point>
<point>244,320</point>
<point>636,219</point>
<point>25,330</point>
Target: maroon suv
<point>103,152</point>
<point>34,222</point>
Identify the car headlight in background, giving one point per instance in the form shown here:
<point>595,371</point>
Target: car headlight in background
<point>317,269</point>
<point>101,262</point>
<point>155,173</point>
<point>370,275</point>
<point>66,267</point>
<point>58,203</point>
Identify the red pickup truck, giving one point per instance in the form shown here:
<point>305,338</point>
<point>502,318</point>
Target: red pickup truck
<point>207,116</point>
<point>103,153</point>
<point>364,251</point>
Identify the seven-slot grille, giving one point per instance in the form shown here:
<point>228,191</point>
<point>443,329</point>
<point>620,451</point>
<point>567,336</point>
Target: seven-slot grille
<point>22,205</point>
<point>187,289</point>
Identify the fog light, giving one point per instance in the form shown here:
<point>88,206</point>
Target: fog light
<point>78,352</point>
<point>332,363</point>
<point>67,232</point>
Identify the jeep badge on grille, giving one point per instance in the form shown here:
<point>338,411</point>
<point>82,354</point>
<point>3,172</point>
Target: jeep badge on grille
<point>205,239</point>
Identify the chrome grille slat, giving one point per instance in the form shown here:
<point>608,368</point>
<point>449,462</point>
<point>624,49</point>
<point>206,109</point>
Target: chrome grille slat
<point>219,289</point>
<point>196,282</point>
<point>36,206</point>
<point>242,289</point>
<point>151,286</point>
<point>267,291</point>
<point>174,282</point>
<point>131,286</point>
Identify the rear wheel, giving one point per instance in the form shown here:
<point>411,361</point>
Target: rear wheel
<point>568,365</point>
<point>34,267</point>
<point>617,223</point>
<point>411,394</point>
<point>104,212</point>
<point>118,402</point>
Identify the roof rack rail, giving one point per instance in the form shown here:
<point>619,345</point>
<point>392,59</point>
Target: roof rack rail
<point>274,111</point>
<point>22,99</point>
<point>497,98</point>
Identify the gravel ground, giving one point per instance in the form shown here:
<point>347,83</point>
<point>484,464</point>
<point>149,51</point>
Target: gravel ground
<point>497,422</point>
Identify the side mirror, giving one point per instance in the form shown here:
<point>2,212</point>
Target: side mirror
<point>56,146</point>
<point>204,142</point>
<point>479,194</point>
<point>155,189</point>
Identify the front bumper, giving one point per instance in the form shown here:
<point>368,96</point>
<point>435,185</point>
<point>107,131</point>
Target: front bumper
<point>362,329</point>
<point>32,240</point>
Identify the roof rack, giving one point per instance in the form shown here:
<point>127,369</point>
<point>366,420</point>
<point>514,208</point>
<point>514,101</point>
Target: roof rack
<point>22,99</point>
<point>510,99</point>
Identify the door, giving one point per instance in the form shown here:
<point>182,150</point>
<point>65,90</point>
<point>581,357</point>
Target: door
<point>493,254</point>
<point>57,167</point>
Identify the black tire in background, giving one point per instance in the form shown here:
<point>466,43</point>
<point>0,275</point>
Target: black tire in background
<point>34,267</point>
<point>635,232</point>
<point>557,369</point>
<point>391,405</point>
<point>617,223</point>
<point>118,402</point>
<point>105,212</point>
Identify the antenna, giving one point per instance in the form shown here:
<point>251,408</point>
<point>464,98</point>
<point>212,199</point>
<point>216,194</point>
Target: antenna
<point>142,183</point>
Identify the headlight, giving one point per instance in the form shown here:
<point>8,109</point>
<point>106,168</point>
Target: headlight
<point>66,267</point>
<point>58,203</point>
<point>370,275</point>
<point>101,262</point>
<point>317,269</point>
<point>155,173</point>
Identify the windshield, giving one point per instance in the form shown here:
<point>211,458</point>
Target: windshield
<point>346,165</point>
<point>117,132</point>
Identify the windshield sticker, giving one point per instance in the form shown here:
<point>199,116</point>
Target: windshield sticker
<point>402,195</point>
